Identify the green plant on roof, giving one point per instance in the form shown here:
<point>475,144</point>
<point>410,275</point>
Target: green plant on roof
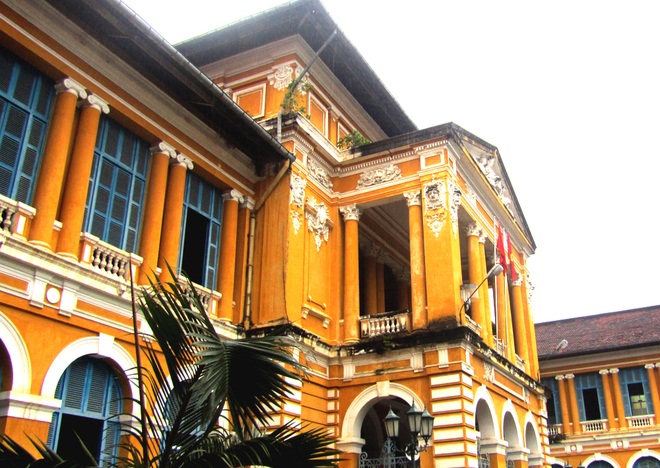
<point>352,140</point>
<point>291,102</point>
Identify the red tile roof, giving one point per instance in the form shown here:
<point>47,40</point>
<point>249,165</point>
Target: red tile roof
<point>597,333</point>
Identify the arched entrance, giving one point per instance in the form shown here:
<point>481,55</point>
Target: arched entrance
<point>377,450</point>
<point>91,402</point>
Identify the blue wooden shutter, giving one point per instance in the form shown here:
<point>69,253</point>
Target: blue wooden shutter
<point>630,375</point>
<point>206,200</point>
<point>26,97</point>
<point>117,184</point>
<point>590,380</point>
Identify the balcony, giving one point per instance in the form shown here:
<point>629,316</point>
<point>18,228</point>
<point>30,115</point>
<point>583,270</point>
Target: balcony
<point>646,420</point>
<point>594,426</point>
<point>385,323</point>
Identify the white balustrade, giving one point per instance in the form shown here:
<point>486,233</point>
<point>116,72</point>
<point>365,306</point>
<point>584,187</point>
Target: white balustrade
<point>384,324</point>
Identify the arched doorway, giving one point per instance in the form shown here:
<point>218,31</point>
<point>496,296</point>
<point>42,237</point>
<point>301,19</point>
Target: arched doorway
<point>647,462</point>
<point>376,446</point>
<point>91,402</point>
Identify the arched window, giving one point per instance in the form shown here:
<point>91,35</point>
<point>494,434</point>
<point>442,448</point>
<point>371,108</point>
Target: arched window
<point>91,403</point>
<point>599,464</point>
<point>26,97</point>
<point>647,462</point>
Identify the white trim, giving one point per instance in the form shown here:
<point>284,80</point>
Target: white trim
<point>352,424</point>
<point>482,394</point>
<point>249,90</point>
<point>19,357</point>
<point>601,457</point>
<point>27,406</point>
<point>324,110</point>
<point>641,454</point>
<point>102,345</point>
<point>508,408</point>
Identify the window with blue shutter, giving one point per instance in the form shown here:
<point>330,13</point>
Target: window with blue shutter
<point>553,404</point>
<point>590,396</point>
<point>636,391</point>
<point>116,186</point>
<point>200,243</point>
<point>26,97</point>
<point>91,402</point>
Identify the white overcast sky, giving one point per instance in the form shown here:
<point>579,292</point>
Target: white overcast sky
<point>569,92</point>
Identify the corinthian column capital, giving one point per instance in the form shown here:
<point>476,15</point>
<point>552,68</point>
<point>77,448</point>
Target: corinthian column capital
<point>350,212</point>
<point>413,198</point>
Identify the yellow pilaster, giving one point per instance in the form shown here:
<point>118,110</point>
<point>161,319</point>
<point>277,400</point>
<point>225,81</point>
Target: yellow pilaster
<point>564,404</point>
<point>227,261</point>
<point>72,213</point>
<point>531,330</point>
<point>173,212</point>
<point>609,400</point>
<point>476,276</point>
<point>351,216</point>
<point>441,252</point>
<point>370,282</point>
<point>504,322</point>
<point>53,163</point>
<point>417,267</point>
<point>653,383</point>
<point>152,223</point>
<point>403,292</point>
<point>618,399</point>
<point>244,211</point>
<point>483,292</point>
<point>575,414</point>
<point>520,333</point>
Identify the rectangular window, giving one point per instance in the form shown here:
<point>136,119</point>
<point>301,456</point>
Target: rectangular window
<point>636,391</point>
<point>116,186</point>
<point>590,396</point>
<point>200,243</point>
<point>553,402</point>
<point>26,97</point>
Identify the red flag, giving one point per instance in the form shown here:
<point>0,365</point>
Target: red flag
<point>501,252</point>
<point>513,274</point>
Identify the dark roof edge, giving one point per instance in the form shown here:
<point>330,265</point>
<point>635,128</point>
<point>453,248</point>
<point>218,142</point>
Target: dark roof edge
<point>197,75</point>
<point>594,316</point>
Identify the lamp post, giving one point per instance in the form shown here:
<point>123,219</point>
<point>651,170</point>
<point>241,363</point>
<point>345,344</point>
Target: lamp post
<point>420,424</point>
<point>494,271</point>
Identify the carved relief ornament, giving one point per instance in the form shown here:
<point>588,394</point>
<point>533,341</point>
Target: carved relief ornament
<point>319,174</point>
<point>297,185</point>
<point>317,222</point>
<point>435,201</point>
<point>379,175</point>
<point>350,212</point>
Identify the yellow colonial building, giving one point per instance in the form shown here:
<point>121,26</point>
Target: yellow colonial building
<point>601,375</point>
<point>268,162</point>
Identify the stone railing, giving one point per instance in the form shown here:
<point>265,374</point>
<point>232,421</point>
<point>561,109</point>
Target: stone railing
<point>646,420</point>
<point>500,346</point>
<point>472,325</point>
<point>14,217</point>
<point>107,259</point>
<point>384,323</point>
<point>520,363</point>
<point>208,297</point>
<point>594,426</point>
<point>555,429</point>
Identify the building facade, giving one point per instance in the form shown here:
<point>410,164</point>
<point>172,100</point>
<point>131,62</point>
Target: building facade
<point>601,375</point>
<point>225,158</point>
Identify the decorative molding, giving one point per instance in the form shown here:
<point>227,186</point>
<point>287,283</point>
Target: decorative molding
<point>489,372</point>
<point>435,222</point>
<point>184,160</point>
<point>470,195</point>
<point>517,282</point>
<point>473,230</point>
<point>296,221</point>
<point>488,164</point>
<point>162,147</point>
<point>350,212</point>
<point>413,198</point>
<point>282,77</point>
<point>318,173</point>
<point>435,195</point>
<point>297,185</point>
<point>379,175</point>
<point>317,222</point>
<point>455,203</point>
<point>233,195</point>
<point>306,310</point>
<point>69,85</point>
<point>95,102</point>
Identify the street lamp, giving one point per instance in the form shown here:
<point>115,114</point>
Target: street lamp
<point>496,270</point>
<point>420,424</point>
